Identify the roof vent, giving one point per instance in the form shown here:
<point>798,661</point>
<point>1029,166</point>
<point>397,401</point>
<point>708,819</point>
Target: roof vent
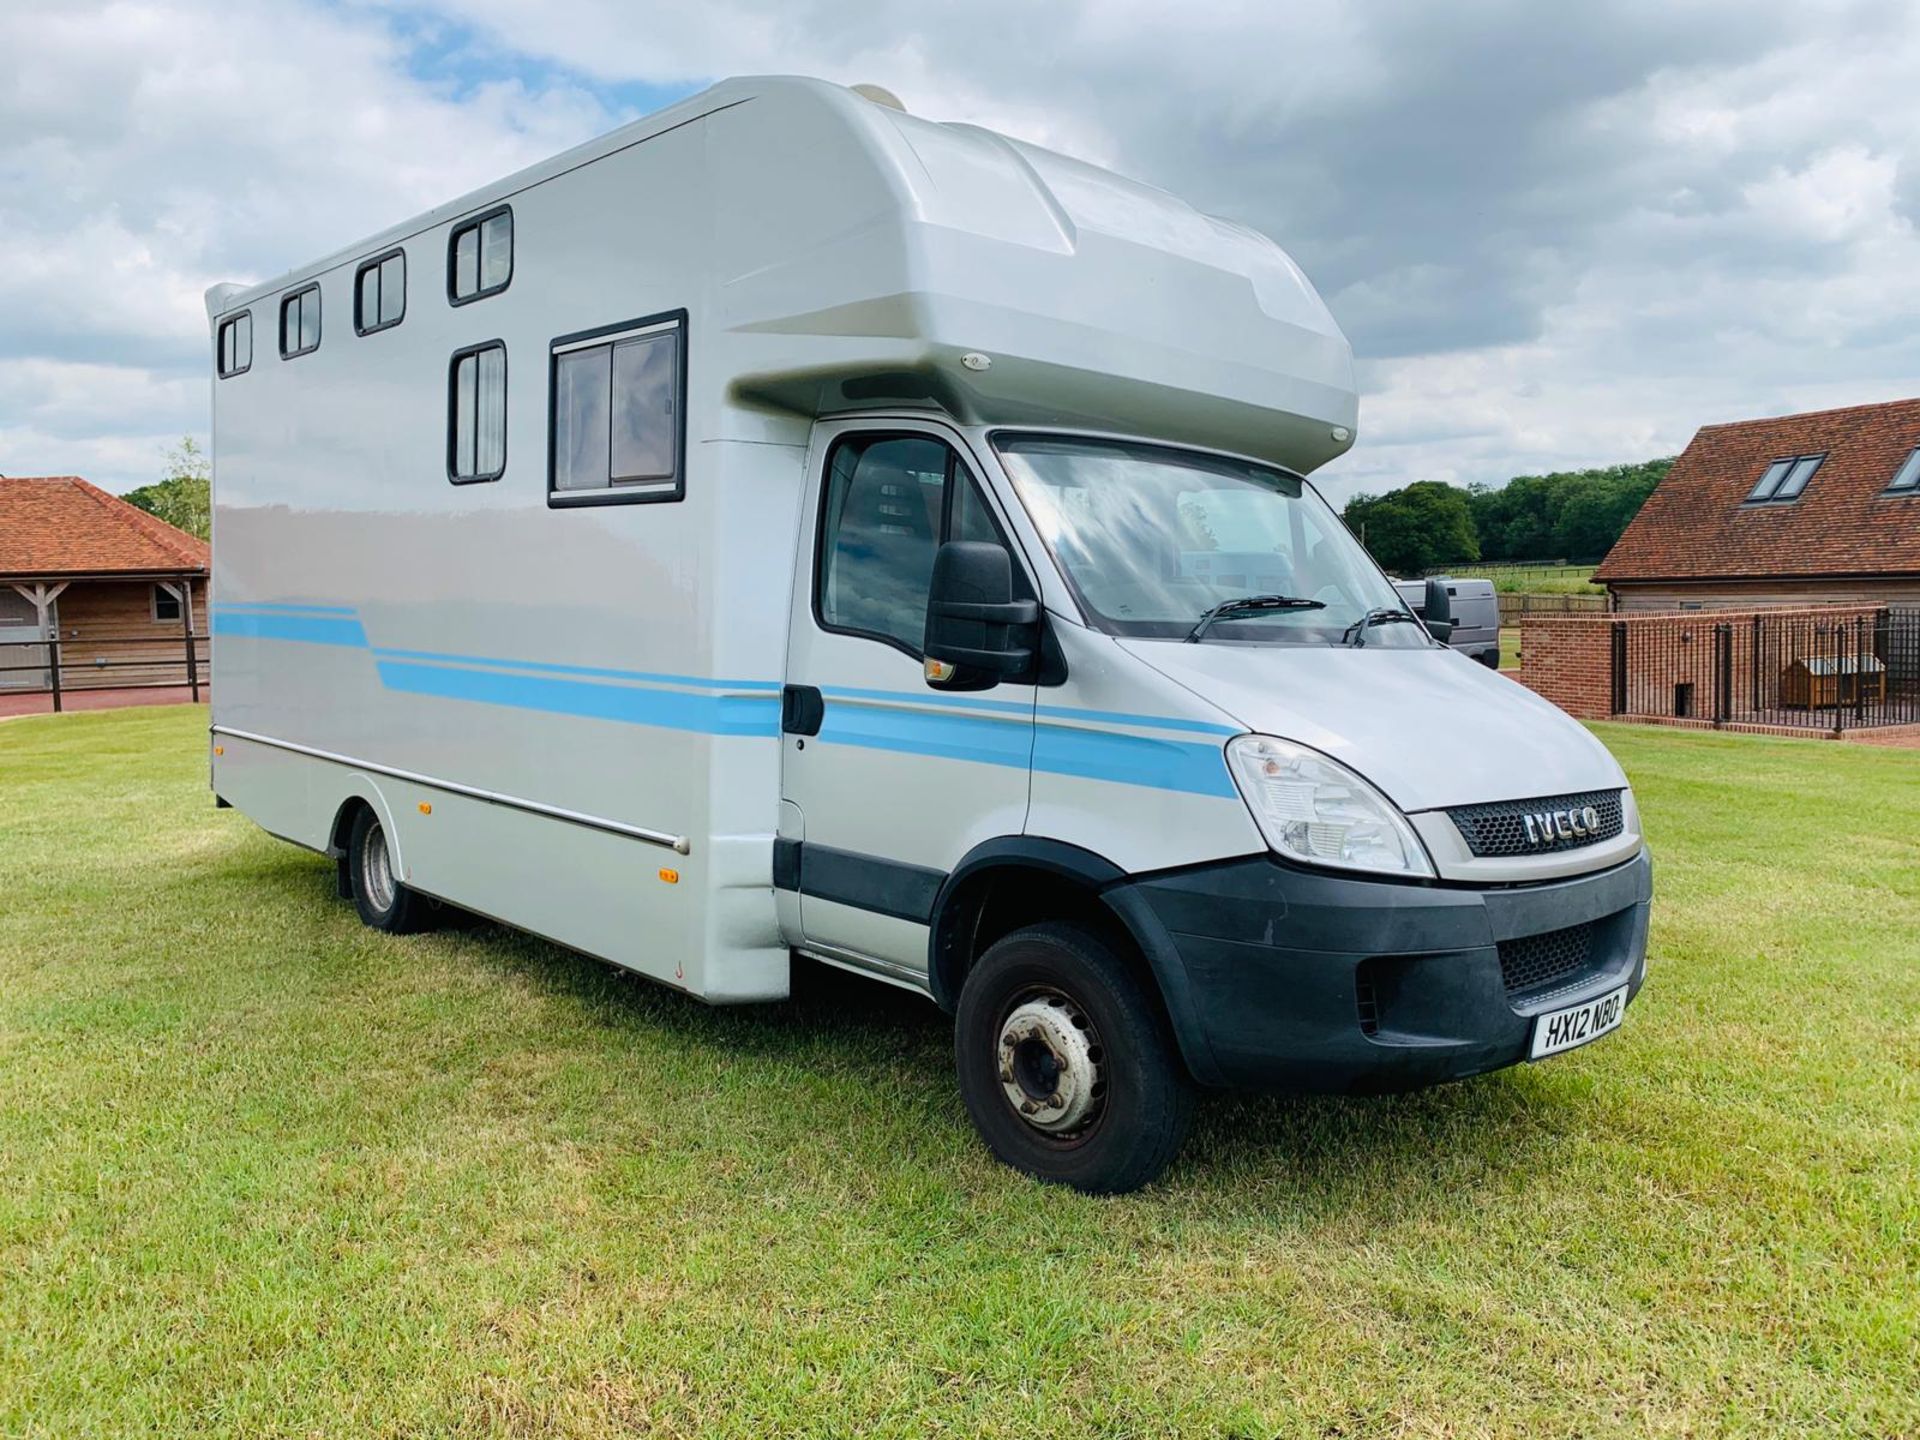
<point>880,95</point>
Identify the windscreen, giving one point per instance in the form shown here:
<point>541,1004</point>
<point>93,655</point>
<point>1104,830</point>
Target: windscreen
<point>1152,538</point>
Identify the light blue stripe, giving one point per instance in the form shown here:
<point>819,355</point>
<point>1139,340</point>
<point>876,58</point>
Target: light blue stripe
<point>307,629</point>
<point>979,738</point>
<point>1056,749</point>
<point>1158,722</point>
<point>929,697</point>
<point>278,605</point>
<point>1013,707</point>
<point>1132,760</point>
<point>645,677</point>
<point>666,709</point>
<point>999,732</point>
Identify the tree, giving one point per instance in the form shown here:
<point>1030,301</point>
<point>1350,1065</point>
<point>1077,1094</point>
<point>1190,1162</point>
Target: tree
<point>1568,515</point>
<point>1419,527</point>
<point>184,498</point>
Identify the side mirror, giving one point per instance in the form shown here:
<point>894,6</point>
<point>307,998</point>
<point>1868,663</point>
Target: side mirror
<point>1438,611</point>
<point>977,633</point>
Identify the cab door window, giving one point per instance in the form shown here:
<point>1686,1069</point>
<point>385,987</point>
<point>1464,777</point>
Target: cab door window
<point>890,501</point>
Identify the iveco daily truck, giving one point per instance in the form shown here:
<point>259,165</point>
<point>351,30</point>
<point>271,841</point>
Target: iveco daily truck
<point>789,527</point>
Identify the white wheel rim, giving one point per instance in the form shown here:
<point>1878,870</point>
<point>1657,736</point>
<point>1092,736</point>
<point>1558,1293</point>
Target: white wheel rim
<point>379,870</point>
<point>1051,1063</point>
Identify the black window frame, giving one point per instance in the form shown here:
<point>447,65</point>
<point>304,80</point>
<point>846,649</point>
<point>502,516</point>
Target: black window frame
<point>453,249</point>
<point>220,334</point>
<point>1910,467</point>
<point>1792,462</point>
<point>454,477</point>
<point>300,294</point>
<point>1023,586</point>
<point>611,493</point>
<point>163,595</point>
<point>360,327</point>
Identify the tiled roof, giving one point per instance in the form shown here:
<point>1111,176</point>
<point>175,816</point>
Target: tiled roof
<point>1696,525</point>
<point>52,525</point>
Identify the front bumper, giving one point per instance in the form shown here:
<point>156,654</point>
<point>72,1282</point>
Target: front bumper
<point>1285,978</point>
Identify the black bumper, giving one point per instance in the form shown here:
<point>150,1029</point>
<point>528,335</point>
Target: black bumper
<point>1279,978</point>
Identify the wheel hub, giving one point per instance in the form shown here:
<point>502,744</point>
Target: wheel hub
<point>1050,1063</point>
<point>379,870</point>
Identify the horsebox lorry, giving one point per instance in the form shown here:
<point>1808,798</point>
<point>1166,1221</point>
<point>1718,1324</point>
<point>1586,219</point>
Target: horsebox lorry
<point>788,527</point>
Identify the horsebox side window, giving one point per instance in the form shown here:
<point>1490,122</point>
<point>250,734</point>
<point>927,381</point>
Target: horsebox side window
<point>300,322</point>
<point>236,345</point>
<point>890,501</point>
<point>618,414</point>
<point>380,293</point>
<point>477,413</point>
<point>480,257</point>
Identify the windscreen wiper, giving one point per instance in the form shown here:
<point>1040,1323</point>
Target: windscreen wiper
<point>1356,634</point>
<point>1250,605</point>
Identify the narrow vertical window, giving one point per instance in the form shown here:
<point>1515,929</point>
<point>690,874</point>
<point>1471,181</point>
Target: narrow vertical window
<point>380,293</point>
<point>300,323</point>
<point>619,394</point>
<point>480,257</point>
<point>477,414</point>
<point>235,349</point>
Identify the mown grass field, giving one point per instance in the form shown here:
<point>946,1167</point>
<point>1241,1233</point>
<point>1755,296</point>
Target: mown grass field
<point>264,1172</point>
<point>1534,579</point>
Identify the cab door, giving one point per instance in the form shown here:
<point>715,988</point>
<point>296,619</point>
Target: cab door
<point>887,782</point>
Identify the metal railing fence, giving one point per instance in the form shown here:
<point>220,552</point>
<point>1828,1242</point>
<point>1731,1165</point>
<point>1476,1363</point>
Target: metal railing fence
<point>47,664</point>
<point>1794,670</point>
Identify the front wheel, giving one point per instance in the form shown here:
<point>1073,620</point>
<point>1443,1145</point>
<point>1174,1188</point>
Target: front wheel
<point>1067,1064</point>
<point>383,902</point>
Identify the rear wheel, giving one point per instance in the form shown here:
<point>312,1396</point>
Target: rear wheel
<point>1067,1064</point>
<point>383,902</point>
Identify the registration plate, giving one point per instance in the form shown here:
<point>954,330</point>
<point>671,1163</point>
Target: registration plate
<point>1559,1030</point>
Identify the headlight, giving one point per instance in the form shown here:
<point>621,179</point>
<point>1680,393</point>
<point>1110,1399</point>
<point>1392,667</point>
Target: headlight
<point>1314,809</point>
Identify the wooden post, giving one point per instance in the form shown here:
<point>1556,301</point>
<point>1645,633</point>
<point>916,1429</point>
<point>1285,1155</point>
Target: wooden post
<point>184,593</point>
<point>53,668</point>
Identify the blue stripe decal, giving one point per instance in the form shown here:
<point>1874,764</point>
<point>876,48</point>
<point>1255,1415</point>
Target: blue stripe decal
<point>1132,760</point>
<point>1012,707</point>
<point>1159,722</point>
<point>997,732</point>
<point>308,629</point>
<point>668,709</point>
<point>296,609</point>
<point>980,738</point>
<point>643,676</point>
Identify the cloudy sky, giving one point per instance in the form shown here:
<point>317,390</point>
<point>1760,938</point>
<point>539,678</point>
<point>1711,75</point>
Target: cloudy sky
<point>1557,235</point>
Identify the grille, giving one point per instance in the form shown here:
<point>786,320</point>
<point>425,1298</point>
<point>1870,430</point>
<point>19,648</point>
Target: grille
<point>1536,960</point>
<point>1501,829</point>
<point>1366,999</point>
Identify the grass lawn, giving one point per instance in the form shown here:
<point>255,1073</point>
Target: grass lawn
<point>264,1172</point>
<point>1534,580</point>
<point>1510,647</point>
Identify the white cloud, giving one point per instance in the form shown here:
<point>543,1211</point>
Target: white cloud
<point>1558,236</point>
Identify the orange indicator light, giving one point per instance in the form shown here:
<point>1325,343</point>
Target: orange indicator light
<point>672,877</point>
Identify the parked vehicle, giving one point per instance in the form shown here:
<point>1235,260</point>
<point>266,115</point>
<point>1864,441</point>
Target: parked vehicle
<point>1475,615</point>
<point>788,527</point>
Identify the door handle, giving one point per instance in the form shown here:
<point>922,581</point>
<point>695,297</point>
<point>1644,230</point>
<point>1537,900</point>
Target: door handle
<point>801,710</point>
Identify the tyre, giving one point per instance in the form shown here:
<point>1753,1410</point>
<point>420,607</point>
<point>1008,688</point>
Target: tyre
<point>1067,1063</point>
<point>1489,658</point>
<point>383,902</point>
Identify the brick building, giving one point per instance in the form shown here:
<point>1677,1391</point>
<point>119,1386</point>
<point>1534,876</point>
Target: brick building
<point>115,585</point>
<point>1795,511</point>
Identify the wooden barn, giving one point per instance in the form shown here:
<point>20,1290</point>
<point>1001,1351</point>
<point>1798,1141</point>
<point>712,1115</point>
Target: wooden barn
<point>123,593</point>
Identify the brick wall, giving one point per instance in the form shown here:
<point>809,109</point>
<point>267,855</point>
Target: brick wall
<point>1569,660</point>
